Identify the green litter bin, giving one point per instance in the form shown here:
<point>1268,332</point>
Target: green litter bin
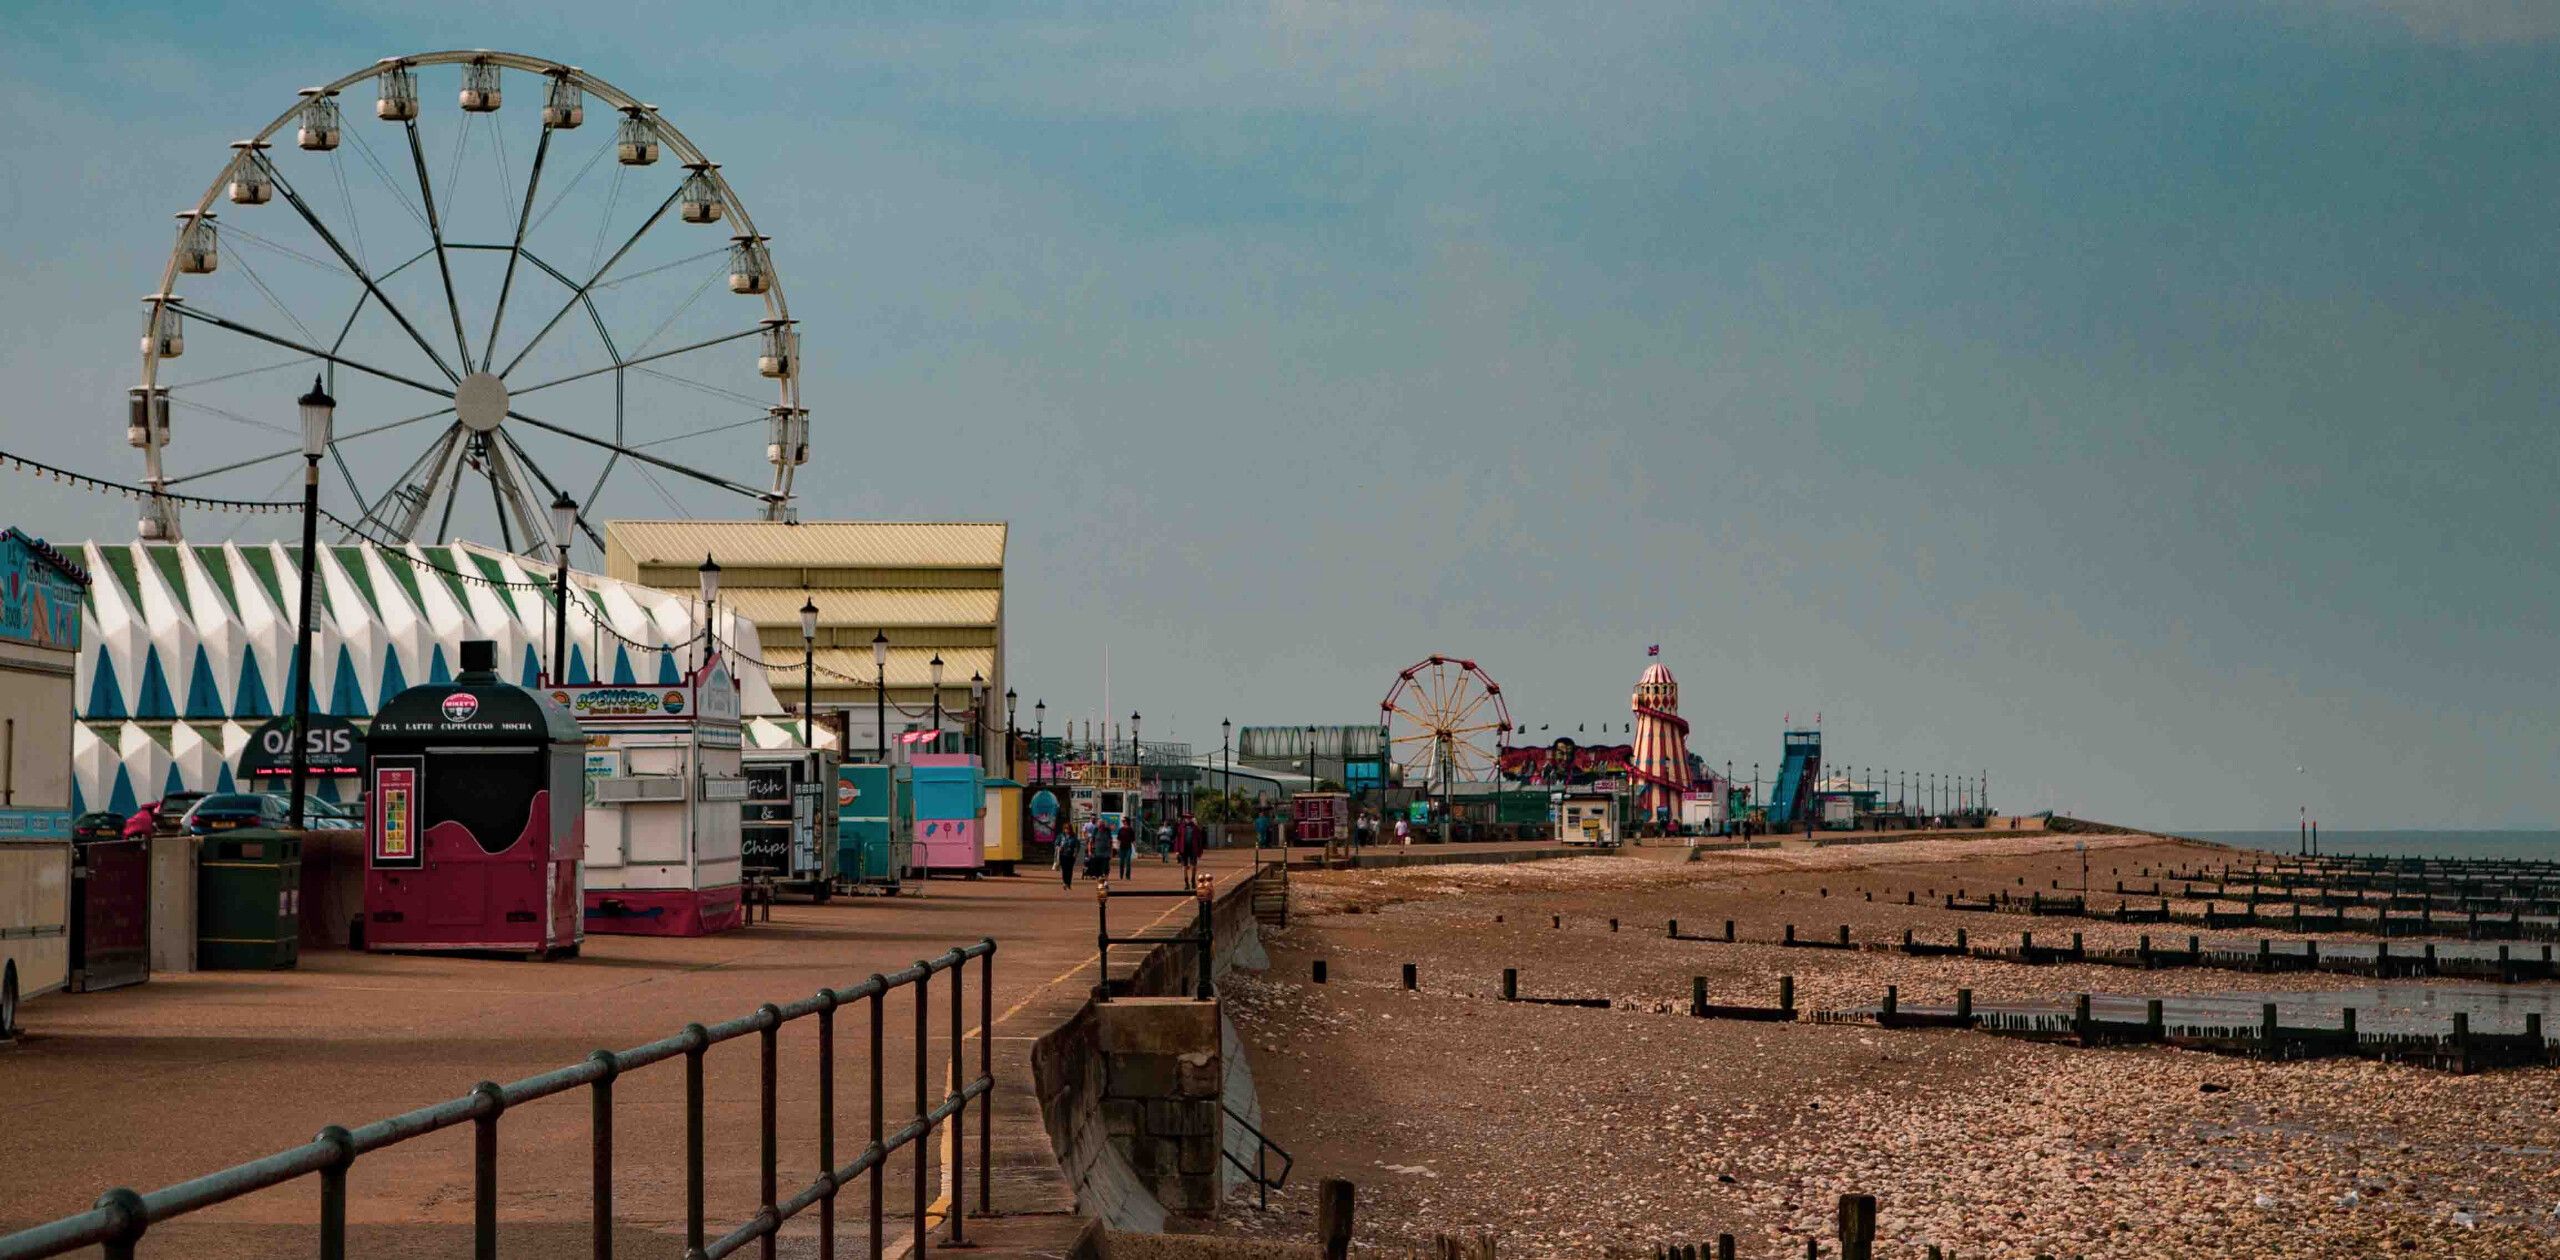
<point>249,901</point>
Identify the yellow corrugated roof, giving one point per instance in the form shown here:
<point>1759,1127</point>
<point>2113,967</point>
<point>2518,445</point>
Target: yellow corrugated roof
<point>908,667</point>
<point>884,606</point>
<point>813,544</point>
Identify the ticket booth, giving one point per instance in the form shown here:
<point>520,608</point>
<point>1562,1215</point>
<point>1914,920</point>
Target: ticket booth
<point>473,826</point>
<point>1587,818</point>
<point>664,803</point>
<point>951,805</point>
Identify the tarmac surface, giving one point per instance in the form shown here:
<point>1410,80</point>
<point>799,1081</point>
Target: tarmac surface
<point>187,1074</point>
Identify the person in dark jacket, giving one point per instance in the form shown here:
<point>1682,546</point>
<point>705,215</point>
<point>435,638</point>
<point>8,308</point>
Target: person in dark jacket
<point>1128,845</point>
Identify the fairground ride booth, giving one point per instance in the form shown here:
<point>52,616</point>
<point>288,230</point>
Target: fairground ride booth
<point>875,846</point>
<point>951,804</point>
<point>473,824</point>
<point>666,792</point>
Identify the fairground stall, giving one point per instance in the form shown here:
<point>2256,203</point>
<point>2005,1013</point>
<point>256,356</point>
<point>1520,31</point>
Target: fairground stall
<point>1004,825</point>
<point>40,626</point>
<point>874,843</point>
<point>788,824</point>
<point>663,844</point>
<point>950,809</point>
<point>473,824</point>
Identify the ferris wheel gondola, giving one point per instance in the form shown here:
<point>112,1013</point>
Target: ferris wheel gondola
<point>403,274</point>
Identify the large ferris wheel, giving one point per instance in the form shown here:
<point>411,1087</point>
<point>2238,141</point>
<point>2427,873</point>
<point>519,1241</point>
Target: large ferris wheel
<point>1444,721</point>
<point>528,301</point>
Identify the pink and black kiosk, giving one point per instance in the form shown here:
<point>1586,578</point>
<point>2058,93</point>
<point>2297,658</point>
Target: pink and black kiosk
<point>474,818</point>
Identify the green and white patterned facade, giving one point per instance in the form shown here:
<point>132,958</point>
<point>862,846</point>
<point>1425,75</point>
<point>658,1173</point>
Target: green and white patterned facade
<point>186,648</point>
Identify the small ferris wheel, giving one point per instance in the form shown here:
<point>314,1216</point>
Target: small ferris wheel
<point>1443,723</point>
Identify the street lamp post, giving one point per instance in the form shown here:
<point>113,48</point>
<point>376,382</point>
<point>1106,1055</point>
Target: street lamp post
<point>564,517</point>
<point>809,680</point>
<point>936,666</point>
<point>1040,740</point>
<point>880,695</point>
<point>317,409</point>
<point>707,576</point>
<point>1227,776</point>
<point>1138,769</point>
<point>977,715</point>
<point>1010,738</point>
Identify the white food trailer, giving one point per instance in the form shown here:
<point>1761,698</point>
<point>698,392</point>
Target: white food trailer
<point>664,794</point>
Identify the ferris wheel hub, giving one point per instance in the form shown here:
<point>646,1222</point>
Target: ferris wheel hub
<point>480,402</point>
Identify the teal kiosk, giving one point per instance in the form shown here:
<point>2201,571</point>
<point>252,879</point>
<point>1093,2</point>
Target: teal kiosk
<point>875,835</point>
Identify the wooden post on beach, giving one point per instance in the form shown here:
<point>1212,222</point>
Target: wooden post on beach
<point>1319,971</point>
<point>1844,936</point>
<point>1791,934</point>
<point>1892,1001</point>
<point>1787,995</point>
<point>1728,931</point>
<point>2267,1029</point>
<point>1964,1007</point>
<point>2142,950</point>
<point>1857,1227</point>
<point>1724,1247</point>
<point>1960,945</point>
<point>2461,1043</point>
<point>2347,1025</point>
<point>1411,976</point>
<point>1333,1218</point>
<point>1698,996</point>
<point>1613,925</point>
<point>1672,931</point>
<point>1511,984</point>
<point>2080,1020</point>
<point>2152,1023</point>
<point>1555,920</point>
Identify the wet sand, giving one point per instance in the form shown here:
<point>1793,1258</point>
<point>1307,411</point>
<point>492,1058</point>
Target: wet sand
<point>1575,1132</point>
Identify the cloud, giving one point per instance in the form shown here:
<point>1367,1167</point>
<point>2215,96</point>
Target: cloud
<point>2465,23</point>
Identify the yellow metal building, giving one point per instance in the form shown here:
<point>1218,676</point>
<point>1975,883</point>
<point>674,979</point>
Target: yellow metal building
<point>933,588</point>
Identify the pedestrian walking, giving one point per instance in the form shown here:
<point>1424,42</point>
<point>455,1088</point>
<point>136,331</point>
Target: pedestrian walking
<point>1067,846</point>
<point>1127,846</point>
<point>1192,841</point>
<point>1404,832</point>
<point>1164,841</point>
<point>1262,829</point>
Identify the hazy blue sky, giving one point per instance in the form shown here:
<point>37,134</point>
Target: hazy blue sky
<point>2138,400</point>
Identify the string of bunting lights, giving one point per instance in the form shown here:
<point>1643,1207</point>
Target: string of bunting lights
<point>268,507</point>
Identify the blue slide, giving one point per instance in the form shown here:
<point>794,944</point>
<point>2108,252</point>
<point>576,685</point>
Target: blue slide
<point>1790,798</point>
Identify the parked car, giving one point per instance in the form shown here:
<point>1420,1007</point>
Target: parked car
<point>229,811</point>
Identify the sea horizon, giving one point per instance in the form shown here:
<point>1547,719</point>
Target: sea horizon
<point>2412,842</point>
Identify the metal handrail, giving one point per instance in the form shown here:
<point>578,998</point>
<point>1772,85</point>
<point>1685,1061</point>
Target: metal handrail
<point>121,1217</point>
<point>1263,1182</point>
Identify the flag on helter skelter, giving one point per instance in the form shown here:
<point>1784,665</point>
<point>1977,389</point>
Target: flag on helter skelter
<point>1655,650</point>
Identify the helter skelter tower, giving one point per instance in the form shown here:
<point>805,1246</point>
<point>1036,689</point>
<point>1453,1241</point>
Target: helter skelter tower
<point>1661,756</point>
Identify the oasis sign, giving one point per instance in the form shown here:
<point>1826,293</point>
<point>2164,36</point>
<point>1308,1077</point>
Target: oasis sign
<point>335,749</point>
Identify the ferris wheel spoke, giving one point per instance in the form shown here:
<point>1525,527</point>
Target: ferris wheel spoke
<point>504,475</point>
<point>723,339</point>
<point>600,273</point>
<point>297,449</point>
<point>294,198</point>
<point>642,456</point>
<point>199,313</point>
<point>526,459</point>
<point>515,252</point>
<point>435,232</point>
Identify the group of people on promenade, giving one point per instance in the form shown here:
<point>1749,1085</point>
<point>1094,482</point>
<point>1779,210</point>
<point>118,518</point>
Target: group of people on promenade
<point>1099,846</point>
